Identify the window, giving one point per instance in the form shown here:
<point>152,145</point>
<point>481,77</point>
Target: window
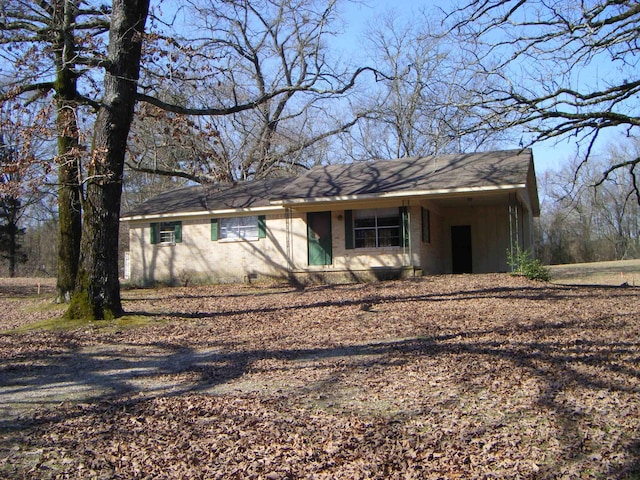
<point>167,233</point>
<point>374,228</point>
<point>426,225</point>
<point>238,228</point>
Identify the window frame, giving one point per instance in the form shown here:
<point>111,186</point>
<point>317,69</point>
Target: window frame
<point>403,213</point>
<point>166,233</point>
<point>375,224</point>
<point>219,231</point>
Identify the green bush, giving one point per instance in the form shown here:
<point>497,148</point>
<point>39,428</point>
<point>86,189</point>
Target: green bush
<point>521,263</point>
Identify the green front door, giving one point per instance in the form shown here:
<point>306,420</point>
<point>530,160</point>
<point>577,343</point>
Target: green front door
<point>319,238</point>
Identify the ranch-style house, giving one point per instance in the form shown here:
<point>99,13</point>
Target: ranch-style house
<point>411,216</point>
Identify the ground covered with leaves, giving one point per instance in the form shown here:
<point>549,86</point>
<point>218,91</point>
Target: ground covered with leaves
<point>484,376</point>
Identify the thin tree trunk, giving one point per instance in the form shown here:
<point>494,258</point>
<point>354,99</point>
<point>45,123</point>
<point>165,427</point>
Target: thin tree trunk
<point>97,293</point>
<point>13,236</point>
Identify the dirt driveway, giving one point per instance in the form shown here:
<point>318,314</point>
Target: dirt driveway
<point>472,376</point>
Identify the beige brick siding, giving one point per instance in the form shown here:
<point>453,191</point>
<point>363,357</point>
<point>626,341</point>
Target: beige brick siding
<point>284,250</point>
<point>198,258</point>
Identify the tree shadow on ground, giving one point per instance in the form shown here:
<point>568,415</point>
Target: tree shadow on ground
<point>559,355</point>
<point>511,293</point>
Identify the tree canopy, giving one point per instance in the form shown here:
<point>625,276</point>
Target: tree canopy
<point>244,58</point>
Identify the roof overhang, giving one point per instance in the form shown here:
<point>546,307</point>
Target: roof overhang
<point>279,205</point>
<point>205,213</point>
<point>299,202</point>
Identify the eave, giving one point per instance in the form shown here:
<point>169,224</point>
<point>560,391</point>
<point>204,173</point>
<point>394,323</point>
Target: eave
<point>301,201</point>
<point>205,213</point>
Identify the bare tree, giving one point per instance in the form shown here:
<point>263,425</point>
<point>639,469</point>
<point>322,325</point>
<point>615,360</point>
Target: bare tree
<point>423,108</point>
<point>22,183</point>
<point>56,50</point>
<point>588,218</point>
<point>270,55</point>
<point>50,46</point>
<point>97,292</point>
<point>559,69</point>
<point>11,208</point>
<point>194,65</point>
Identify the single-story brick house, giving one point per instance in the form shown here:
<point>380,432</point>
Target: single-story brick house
<point>410,216</point>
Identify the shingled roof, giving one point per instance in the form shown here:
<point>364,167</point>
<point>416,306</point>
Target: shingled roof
<point>490,170</point>
<point>206,198</point>
<point>487,171</point>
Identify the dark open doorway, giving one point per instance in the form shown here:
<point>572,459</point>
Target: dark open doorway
<point>461,259</point>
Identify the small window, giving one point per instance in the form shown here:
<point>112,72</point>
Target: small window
<point>236,228</point>
<point>373,228</point>
<point>167,233</point>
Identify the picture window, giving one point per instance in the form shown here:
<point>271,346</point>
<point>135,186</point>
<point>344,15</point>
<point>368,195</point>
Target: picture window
<point>375,228</point>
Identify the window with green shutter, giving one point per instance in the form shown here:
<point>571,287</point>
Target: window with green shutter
<point>166,233</point>
<point>377,227</point>
<point>239,228</point>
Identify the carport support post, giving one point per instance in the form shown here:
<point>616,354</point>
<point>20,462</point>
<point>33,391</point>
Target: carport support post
<point>514,230</point>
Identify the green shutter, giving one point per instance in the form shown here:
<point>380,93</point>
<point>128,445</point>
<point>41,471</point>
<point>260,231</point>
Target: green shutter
<point>262,226</point>
<point>348,229</point>
<point>177,232</point>
<point>154,233</point>
<point>215,229</point>
<point>404,214</point>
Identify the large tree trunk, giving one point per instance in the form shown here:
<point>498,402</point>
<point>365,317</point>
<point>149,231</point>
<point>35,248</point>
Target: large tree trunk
<point>97,293</point>
<point>69,188</point>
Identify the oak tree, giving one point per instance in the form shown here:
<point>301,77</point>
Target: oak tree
<point>203,64</point>
<point>97,292</point>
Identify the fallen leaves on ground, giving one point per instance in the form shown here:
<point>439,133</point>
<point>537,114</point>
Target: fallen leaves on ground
<point>484,376</point>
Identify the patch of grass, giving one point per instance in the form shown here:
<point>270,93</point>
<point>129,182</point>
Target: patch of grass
<point>63,323</point>
<point>598,273</point>
<point>47,305</point>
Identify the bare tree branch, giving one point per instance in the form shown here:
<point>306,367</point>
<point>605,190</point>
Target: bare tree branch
<point>565,68</point>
